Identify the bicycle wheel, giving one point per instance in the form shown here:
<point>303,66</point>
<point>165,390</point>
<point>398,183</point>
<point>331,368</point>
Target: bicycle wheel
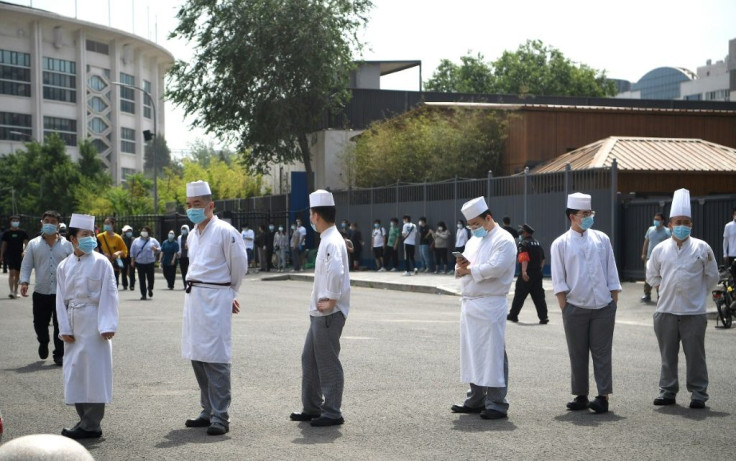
<point>724,314</point>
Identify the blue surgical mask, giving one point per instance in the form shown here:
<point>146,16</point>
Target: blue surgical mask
<point>196,215</point>
<point>171,236</point>
<point>681,232</point>
<point>480,232</point>
<point>129,234</point>
<point>14,223</point>
<point>281,229</point>
<point>459,226</point>
<point>270,228</point>
<point>587,223</point>
<point>107,227</point>
<point>657,223</point>
<point>48,229</point>
<point>87,244</point>
<point>184,232</point>
<point>314,228</point>
<point>376,225</point>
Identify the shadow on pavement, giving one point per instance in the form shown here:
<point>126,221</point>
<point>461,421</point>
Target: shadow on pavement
<point>38,365</point>
<point>587,418</point>
<point>179,437</point>
<point>315,435</point>
<point>474,423</point>
<point>688,413</point>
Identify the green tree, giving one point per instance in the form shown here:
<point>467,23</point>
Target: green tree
<point>163,154</point>
<point>265,72</point>
<point>473,75</point>
<point>428,144</point>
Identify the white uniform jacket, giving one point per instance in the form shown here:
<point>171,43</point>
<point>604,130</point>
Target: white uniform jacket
<point>331,276</point>
<point>216,256</point>
<point>86,307</point>
<point>483,307</point>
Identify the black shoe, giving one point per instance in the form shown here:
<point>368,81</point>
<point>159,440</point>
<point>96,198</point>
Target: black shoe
<point>492,414</point>
<point>323,421</point>
<point>578,403</point>
<point>197,422</point>
<point>661,401</point>
<point>599,404</point>
<point>143,298</point>
<point>150,293</point>
<point>544,321</point>
<point>79,433</point>
<point>646,299</point>
<point>217,429</point>
<point>132,288</point>
<point>59,361</point>
<point>125,287</point>
<point>43,351</point>
<point>510,318</point>
<point>464,409</point>
<point>299,416</point>
<point>697,404</point>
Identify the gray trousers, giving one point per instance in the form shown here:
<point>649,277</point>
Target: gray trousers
<point>322,376</point>
<point>214,390</point>
<point>90,415</point>
<point>690,330</point>
<point>492,398</point>
<point>589,332</point>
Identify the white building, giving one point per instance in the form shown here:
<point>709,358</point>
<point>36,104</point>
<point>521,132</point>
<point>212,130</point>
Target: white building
<point>715,81</point>
<point>56,75</point>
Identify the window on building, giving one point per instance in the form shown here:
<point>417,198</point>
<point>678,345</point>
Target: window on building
<point>100,145</point>
<point>98,47</point>
<point>125,172</point>
<point>59,80</point>
<point>127,140</point>
<point>127,95</point>
<point>15,73</point>
<point>15,127</point>
<point>64,127</point>
<point>97,125</point>
<point>96,83</point>
<point>146,100</point>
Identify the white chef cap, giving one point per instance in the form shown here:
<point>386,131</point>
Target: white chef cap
<point>198,189</point>
<point>321,197</point>
<point>474,208</point>
<point>578,201</point>
<point>82,221</point>
<point>681,204</point>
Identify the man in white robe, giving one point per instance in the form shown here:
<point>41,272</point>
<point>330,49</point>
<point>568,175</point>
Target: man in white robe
<point>87,311</point>
<point>322,375</point>
<point>585,282</point>
<point>685,270</point>
<point>486,271</point>
<point>217,264</point>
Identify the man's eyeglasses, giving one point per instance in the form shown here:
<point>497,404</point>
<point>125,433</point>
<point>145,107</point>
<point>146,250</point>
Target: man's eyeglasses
<point>585,214</point>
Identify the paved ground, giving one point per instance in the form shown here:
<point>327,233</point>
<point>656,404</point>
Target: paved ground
<point>400,354</point>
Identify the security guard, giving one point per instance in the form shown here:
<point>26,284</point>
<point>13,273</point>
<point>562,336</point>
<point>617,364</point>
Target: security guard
<point>531,258</point>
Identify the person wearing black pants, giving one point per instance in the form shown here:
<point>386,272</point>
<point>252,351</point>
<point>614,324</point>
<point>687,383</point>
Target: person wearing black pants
<point>531,257</point>
<point>128,271</point>
<point>44,311</point>
<point>145,279</point>
<point>142,256</point>
<point>184,254</point>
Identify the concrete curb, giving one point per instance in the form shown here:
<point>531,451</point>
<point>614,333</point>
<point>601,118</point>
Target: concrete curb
<point>371,284</point>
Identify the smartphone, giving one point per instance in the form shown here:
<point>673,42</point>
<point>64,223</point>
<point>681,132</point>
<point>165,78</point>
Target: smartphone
<point>458,255</point>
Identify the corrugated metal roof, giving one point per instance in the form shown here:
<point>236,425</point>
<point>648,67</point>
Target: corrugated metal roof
<point>647,154</point>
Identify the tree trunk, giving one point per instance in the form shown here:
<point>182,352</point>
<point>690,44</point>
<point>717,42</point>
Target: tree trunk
<point>307,160</point>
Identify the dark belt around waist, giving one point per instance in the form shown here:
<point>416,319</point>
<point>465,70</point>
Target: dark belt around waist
<point>191,283</point>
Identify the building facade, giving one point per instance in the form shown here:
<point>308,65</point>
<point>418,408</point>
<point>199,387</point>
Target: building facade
<point>62,75</point>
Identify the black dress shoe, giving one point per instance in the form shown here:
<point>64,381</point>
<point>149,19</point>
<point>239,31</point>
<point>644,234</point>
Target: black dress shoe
<point>43,351</point>
<point>217,429</point>
<point>143,298</point>
<point>197,422</point>
<point>579,403</point>
<point>59,361</point>
<point>464,409</point>
<point>599,404</point>
<point>492,414</point>
<point>544,321</point>
<point>323,421</point>
<point>150,293</point>
<point>79,433</point>
<point>510,318</point>
<point>661,401</point>
<point>697,404</point>
<point>132,288</point>
<point>299,416</point>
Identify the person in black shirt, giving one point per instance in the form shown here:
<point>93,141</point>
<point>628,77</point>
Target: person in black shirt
<point>507,227</point>
<point>531,258</point>
<point>128,272</point>
<point>184,253</point>
<point>14,243</point>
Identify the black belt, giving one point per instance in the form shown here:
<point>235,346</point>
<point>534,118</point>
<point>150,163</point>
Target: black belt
<point>191,283</point>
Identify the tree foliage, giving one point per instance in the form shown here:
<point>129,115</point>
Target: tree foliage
<point>533,69</point>
<point>163,154</point>
<point>265,72</point>
<point>428,144</point>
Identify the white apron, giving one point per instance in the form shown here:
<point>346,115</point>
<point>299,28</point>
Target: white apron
<point>88,360</point>
<point>482,340</point>
<point>207,324</point>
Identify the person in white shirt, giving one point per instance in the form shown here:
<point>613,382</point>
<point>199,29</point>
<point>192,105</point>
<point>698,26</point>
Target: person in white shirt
<point>322,374</point>
<point>486,270</point>
<point>378,240</point>
<point>586,284</point>
<point>729,243</point>
<point>249,240</point>
<point>461,236</point>
<point>87,310</point>
<point>409,234</point>
<point>217,264</point>
<point>685,270</point>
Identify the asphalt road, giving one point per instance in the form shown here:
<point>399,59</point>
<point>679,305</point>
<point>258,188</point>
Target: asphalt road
<point>401,360</point>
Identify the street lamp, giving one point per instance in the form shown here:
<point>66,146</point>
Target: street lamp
<point>153,141</point>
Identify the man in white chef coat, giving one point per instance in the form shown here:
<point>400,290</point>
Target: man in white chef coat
<point>322,374</point>
<point>486,271</point>
<point>87,311</point>
<point>585,282</point>
<point>217,264</point>
<point>685,270</point>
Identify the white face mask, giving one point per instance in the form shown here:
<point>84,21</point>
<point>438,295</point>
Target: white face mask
<point>144,234</point>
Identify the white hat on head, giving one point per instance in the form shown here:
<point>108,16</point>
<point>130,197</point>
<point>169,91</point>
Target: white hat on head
<point>127,228</point>
<point>474,208</point>
<point>198,189</point>
<point>82,221</point>
<point>681,204</point>
<point>321,197</point>
<point>578,201</point>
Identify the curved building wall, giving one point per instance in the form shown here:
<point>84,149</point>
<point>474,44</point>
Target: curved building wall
<point>662,83</point>
<point>56,75</point>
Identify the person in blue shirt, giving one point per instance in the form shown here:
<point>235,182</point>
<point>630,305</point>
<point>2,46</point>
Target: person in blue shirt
<point>167,258</point>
